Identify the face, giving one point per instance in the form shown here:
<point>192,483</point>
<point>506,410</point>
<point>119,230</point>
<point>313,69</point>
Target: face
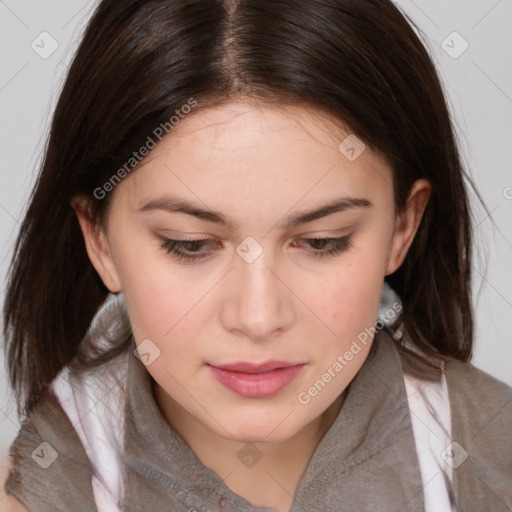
<point>216,246</point>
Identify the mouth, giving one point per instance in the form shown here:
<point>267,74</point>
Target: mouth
<point>256,380</point>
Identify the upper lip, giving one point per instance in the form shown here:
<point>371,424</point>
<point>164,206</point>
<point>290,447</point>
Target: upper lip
<point>248,367</point>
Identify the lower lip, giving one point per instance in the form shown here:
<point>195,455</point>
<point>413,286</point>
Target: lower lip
<point>256,385</point>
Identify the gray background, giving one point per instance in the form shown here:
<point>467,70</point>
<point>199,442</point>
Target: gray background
<point>478,82</point>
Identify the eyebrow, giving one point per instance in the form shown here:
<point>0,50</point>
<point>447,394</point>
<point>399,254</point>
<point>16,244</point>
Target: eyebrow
<point>179,205</point>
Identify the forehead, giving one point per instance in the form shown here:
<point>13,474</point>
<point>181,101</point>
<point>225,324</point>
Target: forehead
<point>269,152</point>
<point>251,122</point>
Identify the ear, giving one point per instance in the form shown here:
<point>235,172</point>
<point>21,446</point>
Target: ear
<point>407,224</point>
<point>96,243</point>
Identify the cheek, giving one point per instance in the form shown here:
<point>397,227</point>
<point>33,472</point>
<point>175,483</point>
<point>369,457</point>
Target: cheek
<point>168,316</point>
<point>160,297</point>
<point>347,304</point>
<point>347,301</point>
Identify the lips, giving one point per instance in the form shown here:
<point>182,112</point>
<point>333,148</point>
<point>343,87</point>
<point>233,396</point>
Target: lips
<point>253,380</point>
<point>248,367</point>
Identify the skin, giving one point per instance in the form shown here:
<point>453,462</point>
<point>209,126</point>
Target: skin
<point>256,164</point>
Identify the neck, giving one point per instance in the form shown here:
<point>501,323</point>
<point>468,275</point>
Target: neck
<point>279,468</point>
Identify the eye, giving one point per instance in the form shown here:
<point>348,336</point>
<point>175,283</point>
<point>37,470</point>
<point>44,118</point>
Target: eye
<point>187,250</point>
<point>190,250</point>
<point>327,246</point>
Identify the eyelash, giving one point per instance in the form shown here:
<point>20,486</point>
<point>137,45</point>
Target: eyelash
<point>173,247</point>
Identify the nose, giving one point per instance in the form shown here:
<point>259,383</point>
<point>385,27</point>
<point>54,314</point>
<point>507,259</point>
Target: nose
<point>259,304</point>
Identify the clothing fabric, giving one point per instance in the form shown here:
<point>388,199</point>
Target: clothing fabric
<point>413,434</point>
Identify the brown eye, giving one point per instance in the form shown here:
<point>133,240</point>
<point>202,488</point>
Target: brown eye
<point>327,246</point>
<point>189,250</point>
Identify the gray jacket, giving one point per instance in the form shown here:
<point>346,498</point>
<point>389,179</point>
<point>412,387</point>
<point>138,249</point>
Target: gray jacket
<point>367,460</point>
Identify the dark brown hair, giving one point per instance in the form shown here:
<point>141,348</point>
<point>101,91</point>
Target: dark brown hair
<point>359,61</point>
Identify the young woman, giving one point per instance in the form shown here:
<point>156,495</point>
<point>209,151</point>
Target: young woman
<point>243,279</point>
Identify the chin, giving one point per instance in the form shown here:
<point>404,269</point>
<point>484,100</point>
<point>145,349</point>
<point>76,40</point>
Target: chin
<point>260,437</point>
<point>270,431</point>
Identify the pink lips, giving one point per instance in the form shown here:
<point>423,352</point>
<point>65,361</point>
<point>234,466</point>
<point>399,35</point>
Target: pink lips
<point>256,380</point>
